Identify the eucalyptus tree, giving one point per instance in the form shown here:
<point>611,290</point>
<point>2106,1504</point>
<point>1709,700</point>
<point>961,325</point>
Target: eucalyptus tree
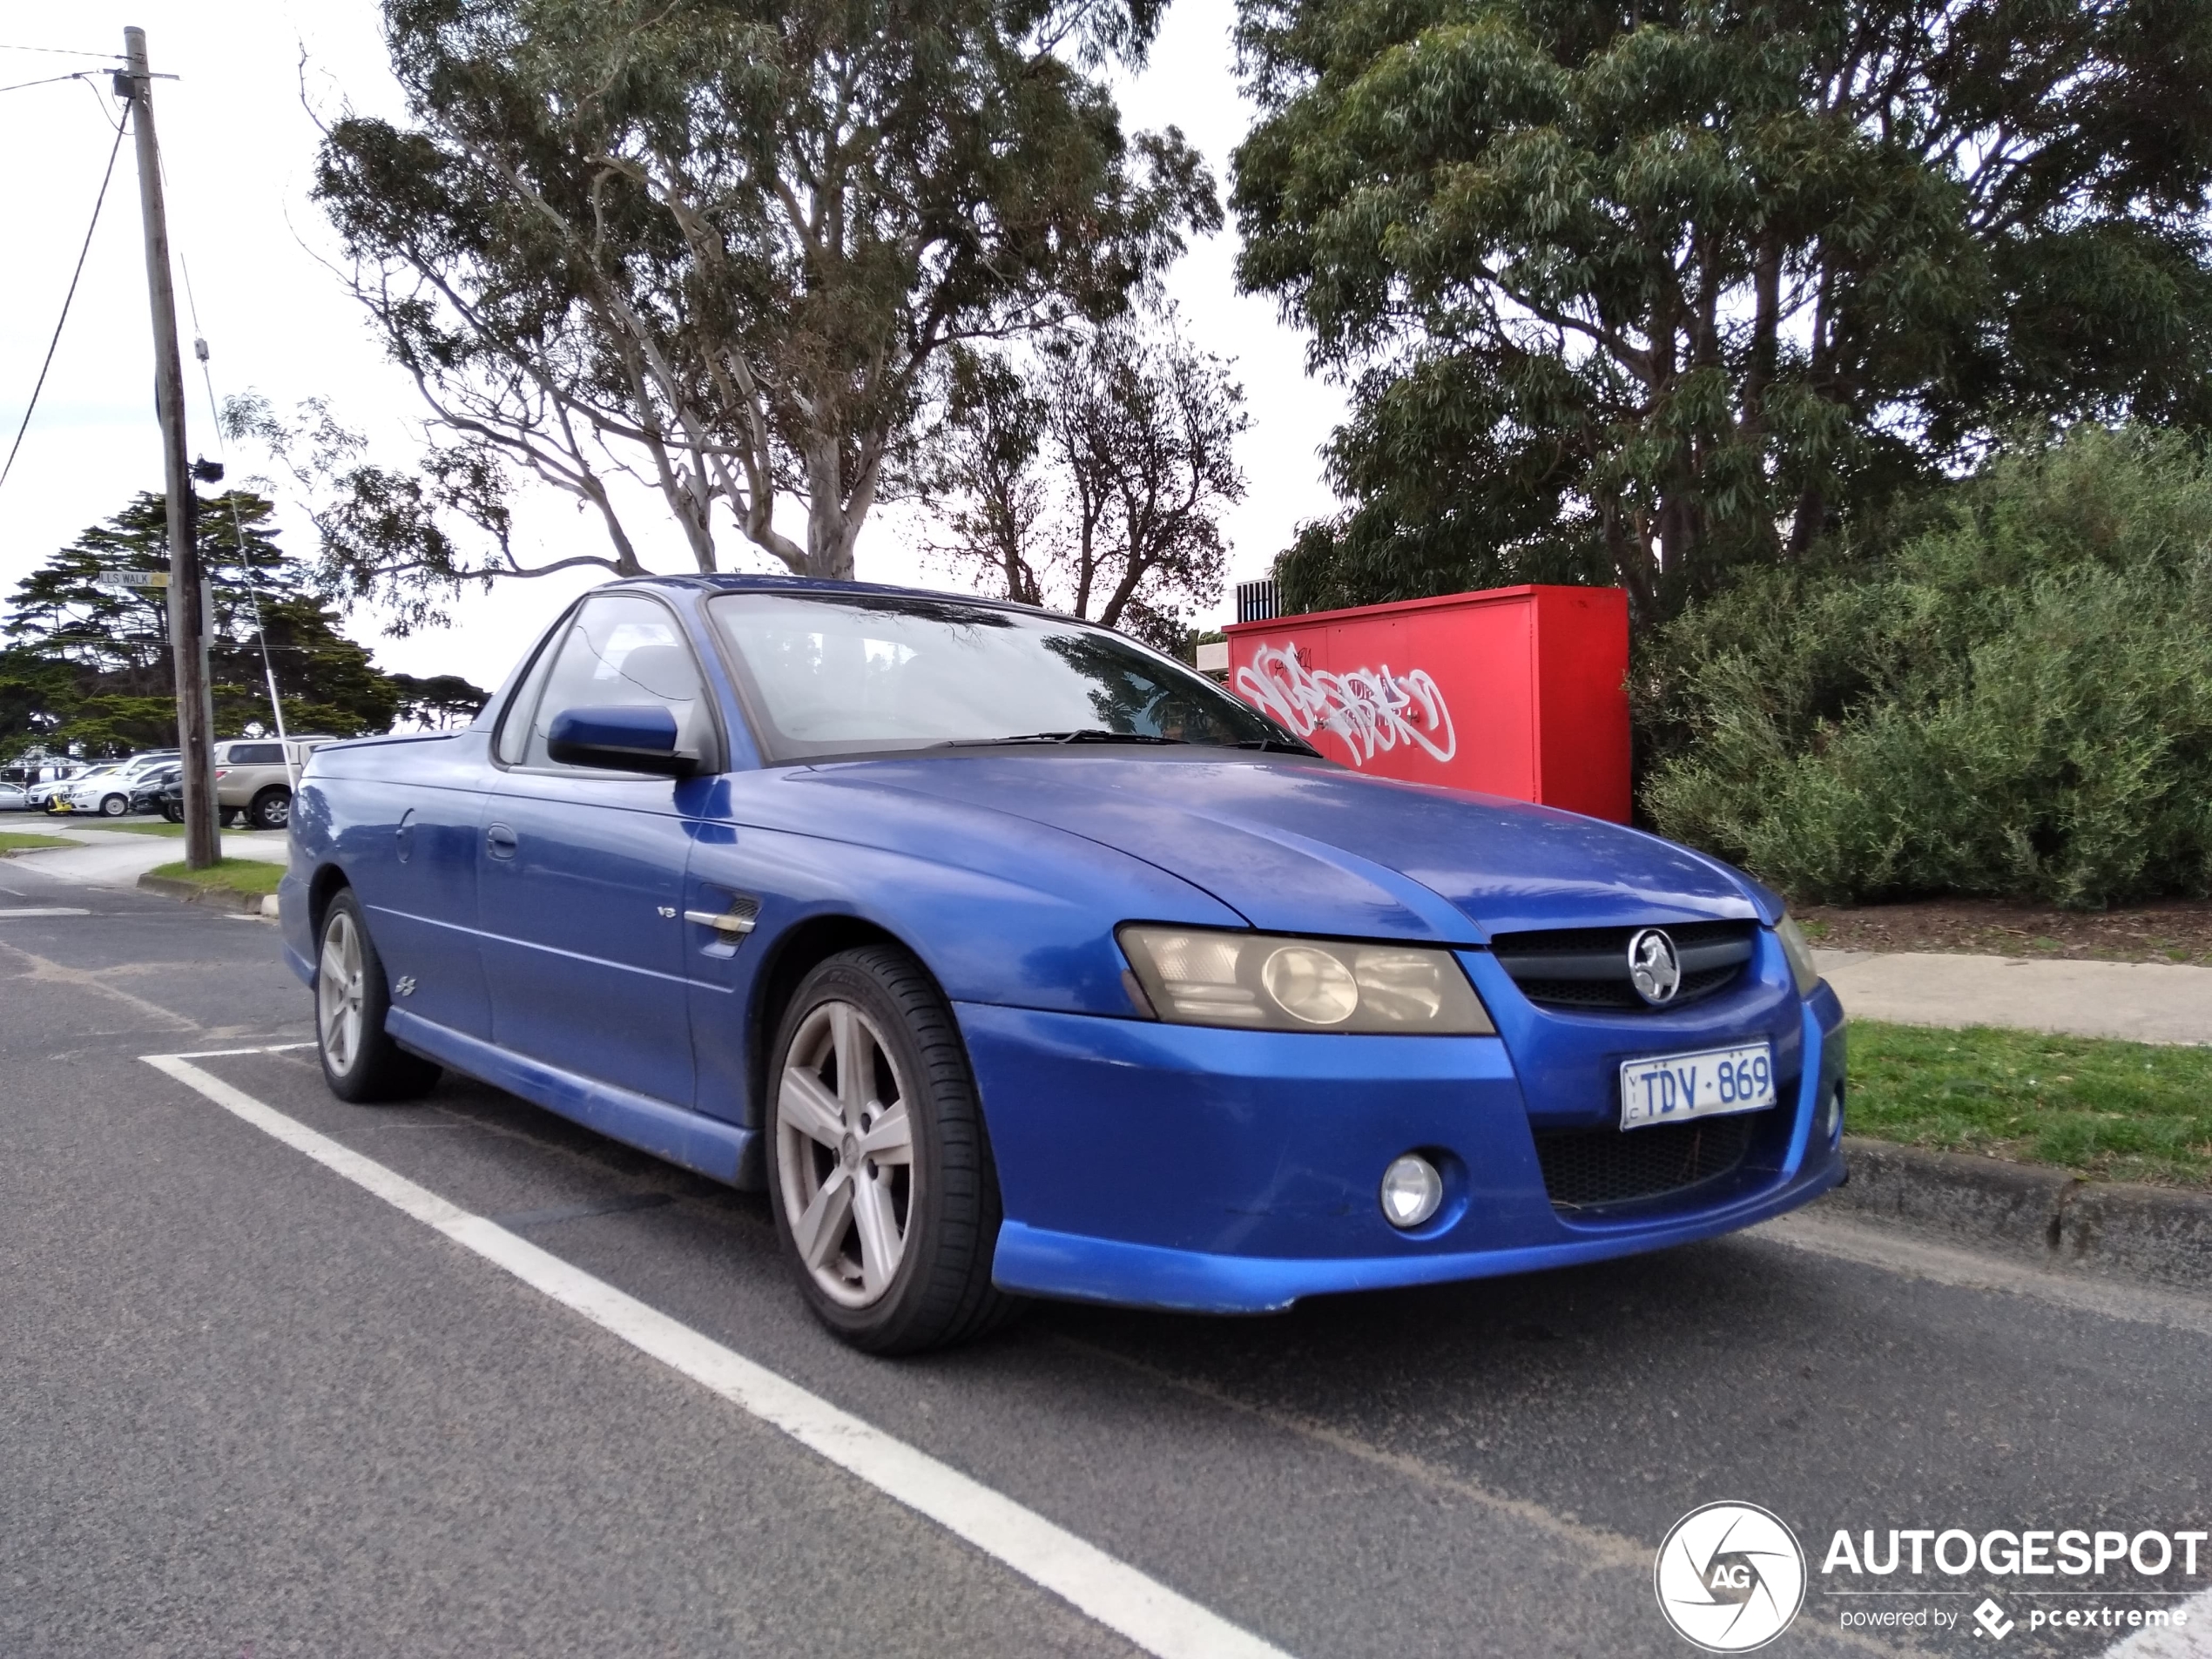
<point>721,247</point>
<point>1630,294</point>
<point>1094,476</point>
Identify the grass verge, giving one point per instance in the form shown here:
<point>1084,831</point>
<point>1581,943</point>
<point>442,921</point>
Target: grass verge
<point>16,843</point>
<point>2118,1111</point>
<point>239,875</point>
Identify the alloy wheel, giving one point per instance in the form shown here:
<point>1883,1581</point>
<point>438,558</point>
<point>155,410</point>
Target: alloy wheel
<point>341,989</point>
<point>844,1154</point>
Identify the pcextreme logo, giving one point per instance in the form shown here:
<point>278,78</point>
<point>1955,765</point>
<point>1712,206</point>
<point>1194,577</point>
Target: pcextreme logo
<point>1729,1577</point>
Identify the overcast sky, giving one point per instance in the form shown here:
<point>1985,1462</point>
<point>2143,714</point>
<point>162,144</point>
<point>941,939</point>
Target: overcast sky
<point>239,151</point>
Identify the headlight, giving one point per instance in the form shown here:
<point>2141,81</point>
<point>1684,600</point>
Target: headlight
<point>1795,946</point>
<point>1269,982</point>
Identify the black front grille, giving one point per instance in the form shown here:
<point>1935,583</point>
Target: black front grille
<point>1587,969</point>
<point>1587,1168</point>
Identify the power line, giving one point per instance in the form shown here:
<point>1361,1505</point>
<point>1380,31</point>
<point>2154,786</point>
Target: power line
<point>63,320</point>
<point>60,51</point>
<point>51,80</point>
<point>238,528</point>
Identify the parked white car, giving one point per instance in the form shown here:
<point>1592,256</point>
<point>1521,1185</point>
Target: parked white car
<point>62,797</point>
<point>48,780</point>
<point>14,798</point>
<point>107,790</point>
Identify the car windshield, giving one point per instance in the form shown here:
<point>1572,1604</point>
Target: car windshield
<point>853,673</point>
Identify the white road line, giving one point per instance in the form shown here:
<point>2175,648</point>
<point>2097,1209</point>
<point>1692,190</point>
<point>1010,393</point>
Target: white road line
<point>1114,1594</point>
<point>224,1053</point>
<point>2191,1639</point>
<point>45,911</point>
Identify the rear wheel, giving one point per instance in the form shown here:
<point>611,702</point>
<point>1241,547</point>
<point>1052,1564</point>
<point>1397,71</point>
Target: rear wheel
<point>883,1189</point>
<point>271,808</point>
<point>358,1061</point>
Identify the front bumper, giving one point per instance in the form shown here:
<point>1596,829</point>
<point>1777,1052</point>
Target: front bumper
<point>1236,1171</point>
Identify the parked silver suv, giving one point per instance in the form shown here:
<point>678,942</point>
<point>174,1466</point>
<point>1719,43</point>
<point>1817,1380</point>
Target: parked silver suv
<point>252,780</point>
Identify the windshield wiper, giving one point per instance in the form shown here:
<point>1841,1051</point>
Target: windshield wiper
<point>1088,734</point>
<point>1279,745</point>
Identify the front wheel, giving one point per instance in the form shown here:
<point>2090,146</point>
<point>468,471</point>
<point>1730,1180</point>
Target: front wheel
<point>271,808</point>
<point>883,1189</point>
<point>114,806</point>
<point>359,1061</point>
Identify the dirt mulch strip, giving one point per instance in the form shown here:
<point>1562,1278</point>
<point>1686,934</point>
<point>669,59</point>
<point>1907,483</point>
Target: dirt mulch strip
<point>2175,930</point>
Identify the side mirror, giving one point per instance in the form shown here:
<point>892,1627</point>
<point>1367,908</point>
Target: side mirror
<point>634,738</point>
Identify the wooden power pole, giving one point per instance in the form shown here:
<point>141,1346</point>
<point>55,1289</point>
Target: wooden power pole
<point>188,620</point>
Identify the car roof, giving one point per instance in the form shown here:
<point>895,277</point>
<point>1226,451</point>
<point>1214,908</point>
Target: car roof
<point>808,585</point>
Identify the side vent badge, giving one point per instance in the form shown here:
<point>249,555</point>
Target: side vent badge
<point>731,926</point>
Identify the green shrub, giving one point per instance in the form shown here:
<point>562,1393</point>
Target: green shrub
<point>2016,701</point>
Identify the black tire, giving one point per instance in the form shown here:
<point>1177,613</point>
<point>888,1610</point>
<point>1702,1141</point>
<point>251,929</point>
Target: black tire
<point>271,808</point>
<point>228,816</point>
<point>359,1061</point>
<point>114,806</point>
<point>940,1293</point>
<point>172,812</point>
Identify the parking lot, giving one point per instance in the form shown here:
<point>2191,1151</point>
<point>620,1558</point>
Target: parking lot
<point>260,1404</point>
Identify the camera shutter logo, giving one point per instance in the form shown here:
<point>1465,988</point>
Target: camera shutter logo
<point>1729,1577</point>
<point>1653,968</point>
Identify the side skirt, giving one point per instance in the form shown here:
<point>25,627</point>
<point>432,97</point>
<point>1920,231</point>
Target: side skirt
<point>704,1144</point>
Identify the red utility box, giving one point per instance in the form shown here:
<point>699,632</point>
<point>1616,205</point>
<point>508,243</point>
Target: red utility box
<point>1518,692</point>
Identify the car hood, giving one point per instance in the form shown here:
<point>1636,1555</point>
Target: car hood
<point>1300,846</point>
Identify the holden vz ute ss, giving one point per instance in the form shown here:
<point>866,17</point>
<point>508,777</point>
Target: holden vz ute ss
<point>1016,959</point>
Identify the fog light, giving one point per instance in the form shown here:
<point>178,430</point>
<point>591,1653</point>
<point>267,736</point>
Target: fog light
<point>1411,1190</point>
<point>1832,1125</point>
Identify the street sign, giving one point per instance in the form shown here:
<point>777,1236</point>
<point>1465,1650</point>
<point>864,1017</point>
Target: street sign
<point>134,578</point>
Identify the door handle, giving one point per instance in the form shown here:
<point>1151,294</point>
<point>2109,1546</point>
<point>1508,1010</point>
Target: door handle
<point>500,842</point>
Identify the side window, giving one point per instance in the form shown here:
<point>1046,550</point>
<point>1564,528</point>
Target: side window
<point>514,725</point>
<point>624,650</point>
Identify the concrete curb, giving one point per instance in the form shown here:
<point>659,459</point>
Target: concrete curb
<point>2048,1215</point>
<point>242,904</point>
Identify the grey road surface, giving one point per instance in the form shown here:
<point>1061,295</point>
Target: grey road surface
<point>250,1408</point>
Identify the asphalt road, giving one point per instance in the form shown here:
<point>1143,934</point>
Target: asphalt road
<point>247,1407</point>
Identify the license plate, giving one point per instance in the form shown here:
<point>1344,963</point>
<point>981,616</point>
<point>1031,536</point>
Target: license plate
<point>1708,1084</point>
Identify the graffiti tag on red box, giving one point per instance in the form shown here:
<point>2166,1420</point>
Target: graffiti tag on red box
<point>1516,691</point>
<point>1371,710</point>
